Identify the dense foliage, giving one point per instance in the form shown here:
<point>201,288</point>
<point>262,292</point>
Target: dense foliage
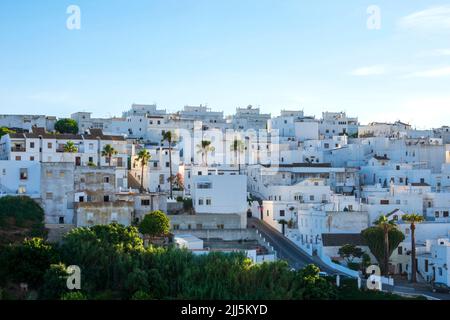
<point>156,223</point>
<point>5,130</point>
<point>115,264</point>
<point>374,237</point>
<point>66,126</point>
<point>22,216</point>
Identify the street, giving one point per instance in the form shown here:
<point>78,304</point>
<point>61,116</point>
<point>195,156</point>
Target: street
<point>286,249</point>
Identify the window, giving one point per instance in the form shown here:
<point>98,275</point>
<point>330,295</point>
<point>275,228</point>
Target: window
<point>49,145</point>
<point>32,145</point>
<point>106,179</point>
<point>49,196</point>
<point>176,227</point>
<point>436,214</point>
<point>167,164</point>
<point>61,220</point>
<point>49,173</point>
<point>220,226</point>
<point>18,158</point>
<point>311,198</point>
<point>81,199</point>
<point>445,214</point>
<point>113,216</point>
<point>23,174</point>
<point>208,201</point>
<point>200,201</point>
<point>22,189</point>
<point>61,174</point>
<point>90,217</point>
<point>204,185</point>
<point>199,226</point>
<point>384,202</point>
<point>400,250</point>
<point>281,213</point>
<point>105,198</point>
<point>31,158</point>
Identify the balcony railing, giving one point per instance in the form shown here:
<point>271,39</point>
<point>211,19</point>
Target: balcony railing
<point>18,149</point>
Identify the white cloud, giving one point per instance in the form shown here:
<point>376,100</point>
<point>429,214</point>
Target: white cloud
<point>435,19</point>
<point>369,71</point>
<point>432,73</point>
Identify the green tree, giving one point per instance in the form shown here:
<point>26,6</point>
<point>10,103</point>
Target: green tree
<point>170,137</point>
<point>55,282</point>
<point>108,152</point>
<point>28,262</point>
<point>143,158</point>
<point>237,147</point>
<point>386,225</point>
<point>106,254</point>
<point>413,219</point>
<point>349,252</point>
<point>20,212</point>
<point>141,295</point>
<point>156,223</point>
<point>5,130</point>
<point>375,239</point>
<point>205,147</point>
<point>66,126</point>
<point>70,147</point>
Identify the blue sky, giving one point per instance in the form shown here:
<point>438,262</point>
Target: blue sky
<point>276,54</point>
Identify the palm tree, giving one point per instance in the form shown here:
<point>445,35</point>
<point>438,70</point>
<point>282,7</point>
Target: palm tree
<point>413,219</point>
<point>385,225</point>
<point>108,151</point>
<point>170,137</point>
<point>204,148</point>
<point>237,147</point>
<point>143,157</point>
<point>70,147</point>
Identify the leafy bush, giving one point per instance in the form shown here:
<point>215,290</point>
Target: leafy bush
<point>22,211</point>
<point>155,223</point>
<point>66,126</point>
<point>75,295</point>
<point>354,266</point>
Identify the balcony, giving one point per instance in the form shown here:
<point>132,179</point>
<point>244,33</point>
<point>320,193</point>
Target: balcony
<point>18,149</point>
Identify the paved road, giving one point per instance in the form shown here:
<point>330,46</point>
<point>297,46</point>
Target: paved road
<point>399,289</point>
<point>286,249</point>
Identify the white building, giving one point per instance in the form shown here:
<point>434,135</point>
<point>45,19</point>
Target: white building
<point>20,178</point>
<point>26,122</point>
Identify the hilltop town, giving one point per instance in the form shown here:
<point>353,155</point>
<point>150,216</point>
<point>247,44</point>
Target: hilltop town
<point>293,187</point>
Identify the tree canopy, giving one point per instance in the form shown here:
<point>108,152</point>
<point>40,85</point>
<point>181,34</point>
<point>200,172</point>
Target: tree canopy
<point>156,223</point>
<point>20,214</point>
<point>5,130</point>
<point>374,237</point>
<point>349,252</point>
<point>66,126</point>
